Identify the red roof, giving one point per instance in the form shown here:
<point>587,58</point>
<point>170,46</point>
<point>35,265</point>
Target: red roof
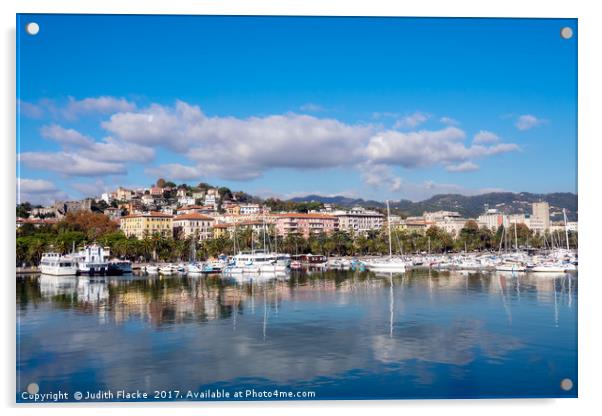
<point>37,220</point>
<point>152,214</point>
<point>193,216</point>
<point>309,216</point>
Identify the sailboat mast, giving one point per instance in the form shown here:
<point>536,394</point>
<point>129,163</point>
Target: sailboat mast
<point>515,236</point>
<point>389,226</point>
<point>264,245</point>
<point>566,229</point>
<point>234,238</point>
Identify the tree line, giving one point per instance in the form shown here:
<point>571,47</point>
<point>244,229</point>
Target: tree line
<point>80,228</point>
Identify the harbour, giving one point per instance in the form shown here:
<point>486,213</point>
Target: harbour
<point>341,333</point>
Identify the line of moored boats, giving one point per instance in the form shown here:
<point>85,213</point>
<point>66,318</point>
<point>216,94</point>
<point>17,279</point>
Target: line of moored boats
<point>94,259</point>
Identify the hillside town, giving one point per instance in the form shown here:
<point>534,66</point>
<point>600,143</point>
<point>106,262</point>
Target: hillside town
<point>207,212</point>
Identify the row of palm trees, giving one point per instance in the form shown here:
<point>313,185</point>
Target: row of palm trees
<point>154,247</point>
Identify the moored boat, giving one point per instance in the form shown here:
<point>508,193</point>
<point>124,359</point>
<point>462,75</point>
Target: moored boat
<point>56,264</point>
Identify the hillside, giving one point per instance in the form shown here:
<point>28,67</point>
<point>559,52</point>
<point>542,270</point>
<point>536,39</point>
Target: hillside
<point>468,206</point>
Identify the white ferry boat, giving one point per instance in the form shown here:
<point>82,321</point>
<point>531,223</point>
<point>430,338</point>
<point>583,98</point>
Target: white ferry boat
<point>58,265</point>
<point>91,260</point>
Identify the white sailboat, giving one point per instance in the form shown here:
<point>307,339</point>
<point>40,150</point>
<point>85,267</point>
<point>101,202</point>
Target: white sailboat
<point>393,264</point>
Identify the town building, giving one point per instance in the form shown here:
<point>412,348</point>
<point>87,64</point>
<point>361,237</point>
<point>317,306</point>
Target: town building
<point>228,229</point>
<point>156,192</point>
<point>452,225</point>
<point>359,220</point>
<point>540,219</point>
<point>198,195</point>
<point>147,224</point>
<point>491,219</point>
<point>61,208</point>
<point>231,209</point>
<point>199,209</point>
<point>43,212</point>
<point>193,224</point>
<point>36,222</point>
<point>107,197</point>
<point>123,194</point>
<point>511,219</point>
<point>250,209</point>
<point>113,213</point>
<point>440,215</point>
<point>147,199</point>
<point>186,200</point>
<point>415,225</point>
<point>305,225</point>
<point>135,206</point>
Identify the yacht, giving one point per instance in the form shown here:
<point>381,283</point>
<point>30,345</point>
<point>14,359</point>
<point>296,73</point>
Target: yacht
<point>92,260</point>
<point>152,269</point>
<point>194,268</point>
<point>119,267</point>
<point>549,268</point>
<point>167,269</point>
<point>58,265</point>
<point>510,267</point>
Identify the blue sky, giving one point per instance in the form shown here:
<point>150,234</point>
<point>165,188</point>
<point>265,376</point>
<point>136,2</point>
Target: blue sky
<point>382,108</point>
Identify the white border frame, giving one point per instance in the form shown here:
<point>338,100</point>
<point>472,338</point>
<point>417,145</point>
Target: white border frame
<point>589,169</point>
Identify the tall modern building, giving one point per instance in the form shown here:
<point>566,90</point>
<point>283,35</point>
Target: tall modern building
<point>540,220</point>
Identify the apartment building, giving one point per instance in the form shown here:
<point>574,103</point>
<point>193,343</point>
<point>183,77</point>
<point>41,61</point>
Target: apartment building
<point>147,224</point>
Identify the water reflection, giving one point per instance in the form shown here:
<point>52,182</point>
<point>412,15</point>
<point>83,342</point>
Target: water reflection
<point>338,332</point>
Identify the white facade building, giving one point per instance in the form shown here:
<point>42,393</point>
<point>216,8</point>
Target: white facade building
<point>359,220</point>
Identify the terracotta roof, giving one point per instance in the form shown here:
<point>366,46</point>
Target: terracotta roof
<point>193,216</point>
<point>309,216</point>
<point>37,220</point>
<point>195,207</point>
<point>237,224</point>
<point>152,214</point>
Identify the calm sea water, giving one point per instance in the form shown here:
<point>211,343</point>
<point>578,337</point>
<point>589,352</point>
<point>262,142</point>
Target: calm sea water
<point>338,334</point>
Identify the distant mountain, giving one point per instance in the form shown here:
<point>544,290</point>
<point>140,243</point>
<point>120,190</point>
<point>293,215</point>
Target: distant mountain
<point>468,206</point>
<point>342,201</point>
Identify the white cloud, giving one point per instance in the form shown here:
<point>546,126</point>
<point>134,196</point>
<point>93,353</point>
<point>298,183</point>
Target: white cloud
<point>29,109</point>
<point>174,171</point>
<point>485,137</point>
<point>385,114</point>
<point>65,137</point>
<point>75,108</point>
<point>107,150</point>
<point>449,121</point>
<point>37,191</point>
<point>241,149</point>
<point>96,105</point>
<point>70,164</point>
<point>463,167</point>
<point>378,175</point>
<point>426,148</point>
<point>312,108</point>
<point>528,121</point>
<point>412,120</point>
<point>111,150</point>
<point>244,148</point>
